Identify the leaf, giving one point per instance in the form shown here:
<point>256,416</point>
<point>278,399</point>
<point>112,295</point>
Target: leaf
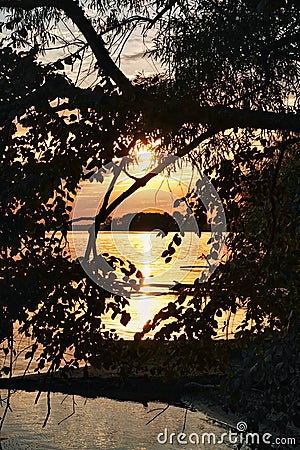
<point>138,336</point>
<point>41,363</point>
<point>114,315</point>
<point>167,260</point>
<point>125,318</point>
<point>23,33</point>
<point>68,61</point>
<point>171,251</point>
<point>5,370</point>
<point>59,65</point>
<point>91,165</point>
<point>177,240</point>
<point>147,327</point>
<point>181,299</point>
<point>10,25</point>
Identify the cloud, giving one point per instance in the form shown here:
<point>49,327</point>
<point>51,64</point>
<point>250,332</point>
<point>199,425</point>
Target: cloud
<point>133,56</point>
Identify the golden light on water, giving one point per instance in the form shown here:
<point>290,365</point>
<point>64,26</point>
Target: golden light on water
<point>143,310</point>
<point>144,307</point>
<point>147,244</point>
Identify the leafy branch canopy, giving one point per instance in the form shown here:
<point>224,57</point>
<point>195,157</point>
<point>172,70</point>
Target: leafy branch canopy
<point>226,96</point>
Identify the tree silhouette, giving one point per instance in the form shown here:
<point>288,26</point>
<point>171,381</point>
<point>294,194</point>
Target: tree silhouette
<point>226,99</point>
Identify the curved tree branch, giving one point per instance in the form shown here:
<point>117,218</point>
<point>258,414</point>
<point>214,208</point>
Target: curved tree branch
<point>234,117</point>
<point>96,43</point>
<point>141,182</point>
<point>76,14</point>
<point>179,113</point>
<point>106,209</point>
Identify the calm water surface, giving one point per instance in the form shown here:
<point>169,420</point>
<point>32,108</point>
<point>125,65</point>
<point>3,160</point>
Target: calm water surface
<point>144,250</point>
<point>97,424</point>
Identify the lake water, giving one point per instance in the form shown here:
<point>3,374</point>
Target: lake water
<point>98,424</point>
<point>144,250</point>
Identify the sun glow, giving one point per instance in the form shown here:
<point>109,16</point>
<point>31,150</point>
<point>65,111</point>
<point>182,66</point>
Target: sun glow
<point>145,160</point>
<point>145,155</point>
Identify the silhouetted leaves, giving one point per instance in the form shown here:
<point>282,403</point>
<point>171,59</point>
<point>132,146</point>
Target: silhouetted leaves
<point>53,134</point>
<point>125,318</point>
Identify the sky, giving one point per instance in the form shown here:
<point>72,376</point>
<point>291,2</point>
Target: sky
<point>159,194</point>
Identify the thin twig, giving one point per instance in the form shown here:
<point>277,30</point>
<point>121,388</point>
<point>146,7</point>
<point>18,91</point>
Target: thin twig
<point>154,410</point>
<point>7,406</point>
<point>157,415</point>
<point>72,413</point>
<point>44,382</point>
<point>63,400</point>
<point>168,7</point>
<point>48,399</point>
<point>129,175</point>
<point>80,67</point>
<point>184,420</point>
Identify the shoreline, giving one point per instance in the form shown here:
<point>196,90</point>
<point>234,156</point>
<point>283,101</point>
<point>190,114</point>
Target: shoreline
<point>200,393</point>
<point>192,381</point>
<point>130,388</point>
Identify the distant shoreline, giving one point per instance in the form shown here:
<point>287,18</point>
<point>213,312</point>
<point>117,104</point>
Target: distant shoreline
<point>145,222</point>
<point>87,227</point>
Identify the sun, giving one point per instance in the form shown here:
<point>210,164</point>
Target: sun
<point>144,156</point>
<point>145,160</point>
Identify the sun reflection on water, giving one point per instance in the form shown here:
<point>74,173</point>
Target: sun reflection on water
<point>143,308</point>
